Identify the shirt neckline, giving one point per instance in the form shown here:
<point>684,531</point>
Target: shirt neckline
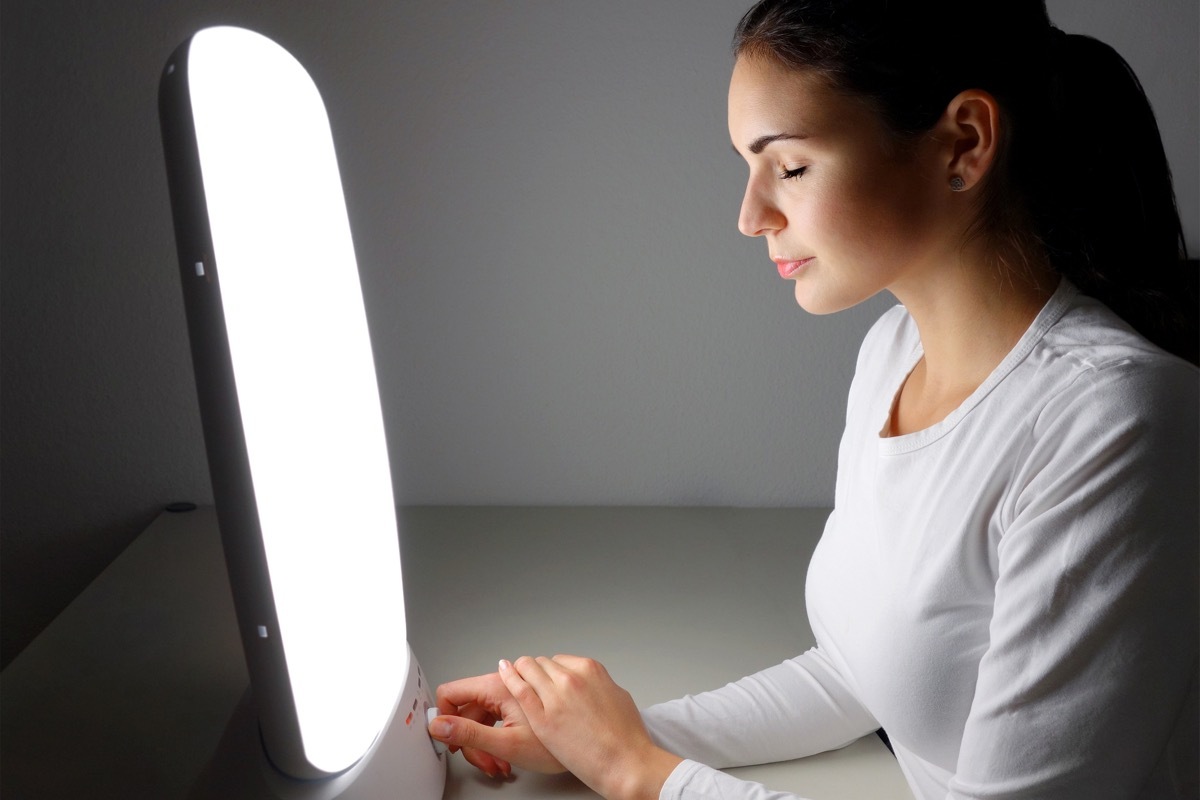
<point>1050,314</point>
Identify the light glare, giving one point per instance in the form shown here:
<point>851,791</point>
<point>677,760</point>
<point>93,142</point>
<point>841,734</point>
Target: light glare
<point>306,386</point>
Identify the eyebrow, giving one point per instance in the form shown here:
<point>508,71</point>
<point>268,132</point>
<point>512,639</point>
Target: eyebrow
<point>760,144</point>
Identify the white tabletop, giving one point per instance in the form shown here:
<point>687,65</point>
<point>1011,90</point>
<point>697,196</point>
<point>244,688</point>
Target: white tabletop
<point>127,693</point>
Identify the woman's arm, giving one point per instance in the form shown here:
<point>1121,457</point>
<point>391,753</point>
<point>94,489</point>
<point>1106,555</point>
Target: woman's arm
<point>1093,647</point>
<point>794,709</point>
<point>568,713</point>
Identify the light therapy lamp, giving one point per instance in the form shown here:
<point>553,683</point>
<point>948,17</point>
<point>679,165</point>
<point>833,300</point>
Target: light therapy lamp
<point>292,423</point>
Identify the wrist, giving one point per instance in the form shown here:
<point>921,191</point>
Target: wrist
<point>644,779</point>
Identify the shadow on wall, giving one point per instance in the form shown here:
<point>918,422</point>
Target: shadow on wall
<point>30,601</point>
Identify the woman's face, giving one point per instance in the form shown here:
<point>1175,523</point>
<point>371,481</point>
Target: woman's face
<point>844,212</point>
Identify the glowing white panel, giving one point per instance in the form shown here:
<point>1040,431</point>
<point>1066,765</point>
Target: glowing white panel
<point>305,384</point>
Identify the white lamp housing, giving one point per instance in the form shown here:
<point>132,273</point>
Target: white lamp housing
<point>290,405</point>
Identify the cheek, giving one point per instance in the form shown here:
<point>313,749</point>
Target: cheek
<point>901,206</point>
<point>881,214</point>
<point>845,213</point>
<point>858,215</point>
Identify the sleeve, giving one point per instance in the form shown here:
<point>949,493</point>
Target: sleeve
<point>692,781</point>
<point>794,709</point>
<point>1092,652</point>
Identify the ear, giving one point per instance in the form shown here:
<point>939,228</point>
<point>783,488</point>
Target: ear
<point>969,131</point>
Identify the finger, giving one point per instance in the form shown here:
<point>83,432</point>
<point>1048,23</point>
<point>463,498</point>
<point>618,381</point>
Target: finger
<point>521,691</point>
<point>554,669</point>
<point>486,763</point>
<point>572,662</point>
<point>580,664</point>
<point>533,672</point>
<point>505,767</point>
<point>478,742</point>
<point>491,765</point>
<point>475,713</point>
<point>485,690</point>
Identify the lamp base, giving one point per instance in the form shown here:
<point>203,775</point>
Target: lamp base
<point>401,763</point>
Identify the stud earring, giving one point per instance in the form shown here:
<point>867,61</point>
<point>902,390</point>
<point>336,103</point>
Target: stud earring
<point>957,184</point>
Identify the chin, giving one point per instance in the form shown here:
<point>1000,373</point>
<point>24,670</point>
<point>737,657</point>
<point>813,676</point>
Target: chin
<point>819,300</point>
<point>816,303</point>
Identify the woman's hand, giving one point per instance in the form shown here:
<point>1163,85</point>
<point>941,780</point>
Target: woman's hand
<point>469,710</point>
<point>590,725</point>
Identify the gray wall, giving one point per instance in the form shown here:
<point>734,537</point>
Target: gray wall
<point>544,202</point>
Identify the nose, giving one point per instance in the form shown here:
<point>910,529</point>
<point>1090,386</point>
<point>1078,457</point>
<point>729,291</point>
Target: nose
<point>759,215</point>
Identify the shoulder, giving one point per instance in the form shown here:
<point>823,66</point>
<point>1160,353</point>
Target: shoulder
<point>1101,407</point>
<point>1090,362</point>
<point>1105,429</point>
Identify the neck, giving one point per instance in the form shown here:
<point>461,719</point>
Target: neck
<point>970,315</point>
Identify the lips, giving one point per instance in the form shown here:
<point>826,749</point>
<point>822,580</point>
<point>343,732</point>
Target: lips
<point>790,267</point>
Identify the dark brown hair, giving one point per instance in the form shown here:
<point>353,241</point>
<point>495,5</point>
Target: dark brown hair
<point>1081,178</point>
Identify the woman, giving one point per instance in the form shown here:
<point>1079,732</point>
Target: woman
<point>1008,581</point>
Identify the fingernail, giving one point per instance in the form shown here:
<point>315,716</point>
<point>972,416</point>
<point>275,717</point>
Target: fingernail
<point>504,665</point>
<point>440,728</point>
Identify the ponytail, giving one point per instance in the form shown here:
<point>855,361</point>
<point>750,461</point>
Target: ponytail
<point>1097,186</point>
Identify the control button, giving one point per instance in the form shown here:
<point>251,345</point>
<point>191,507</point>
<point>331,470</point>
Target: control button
<point>431,713</point>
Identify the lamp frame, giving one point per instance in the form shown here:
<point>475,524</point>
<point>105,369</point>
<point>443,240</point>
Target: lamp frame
<point>249,555</point>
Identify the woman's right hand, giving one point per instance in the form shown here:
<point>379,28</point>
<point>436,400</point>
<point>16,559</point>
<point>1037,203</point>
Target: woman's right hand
<point>468,712</point>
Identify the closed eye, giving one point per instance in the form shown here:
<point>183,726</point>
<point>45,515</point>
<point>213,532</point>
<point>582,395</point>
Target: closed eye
<point>789,174</point>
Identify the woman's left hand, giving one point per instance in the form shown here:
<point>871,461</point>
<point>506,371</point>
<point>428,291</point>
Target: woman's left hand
<point>468,713</point>
<point>590,724</point>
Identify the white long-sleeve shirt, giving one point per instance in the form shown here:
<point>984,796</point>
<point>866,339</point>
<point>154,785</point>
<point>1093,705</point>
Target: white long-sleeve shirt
<point>1011,593</point>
